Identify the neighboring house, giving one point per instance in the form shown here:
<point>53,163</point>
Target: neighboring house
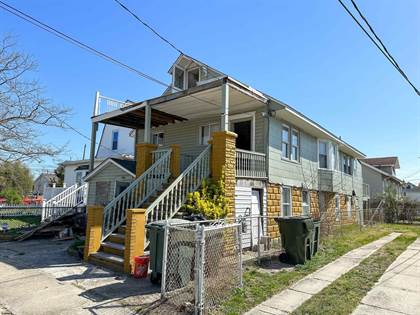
<point>411,192</point>
<point>284,163</point>
<point>75,171</point>
<point>378,174</point>
<point>43,181</point>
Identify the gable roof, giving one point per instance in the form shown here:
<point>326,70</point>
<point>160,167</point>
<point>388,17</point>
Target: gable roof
<point>128,166</point>
<point>387,175</point>
<point>383,161</point>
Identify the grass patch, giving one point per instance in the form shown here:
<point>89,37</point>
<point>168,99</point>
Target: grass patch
<point>259,286</point>
<point>19,224</point>
<point>345,294</point>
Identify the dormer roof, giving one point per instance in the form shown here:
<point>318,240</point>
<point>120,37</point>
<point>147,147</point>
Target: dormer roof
<point>383,161</point>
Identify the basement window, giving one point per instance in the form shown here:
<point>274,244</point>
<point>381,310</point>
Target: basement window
<point>286,201</point>
<point>305,202</point>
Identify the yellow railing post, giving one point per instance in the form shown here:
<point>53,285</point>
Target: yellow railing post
<point>93,230</point>
<point>135,234</point>
<point>175,160</point>
<point>144,157</point>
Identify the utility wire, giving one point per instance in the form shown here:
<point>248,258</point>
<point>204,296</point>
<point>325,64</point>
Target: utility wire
<point>382,49</point>
<point>149,27</point>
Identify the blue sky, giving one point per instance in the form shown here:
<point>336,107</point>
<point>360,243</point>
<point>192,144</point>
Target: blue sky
<point>309,54</point>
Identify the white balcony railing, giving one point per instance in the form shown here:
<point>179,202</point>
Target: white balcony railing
<point>106,104</point>
<point>250,164</point>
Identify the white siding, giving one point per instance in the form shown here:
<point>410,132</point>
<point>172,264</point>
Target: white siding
<point>125,142</point>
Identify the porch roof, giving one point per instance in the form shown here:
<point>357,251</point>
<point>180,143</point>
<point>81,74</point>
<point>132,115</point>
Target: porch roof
<point>200,101</point>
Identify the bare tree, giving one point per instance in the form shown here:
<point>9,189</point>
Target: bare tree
<point>24,112</point>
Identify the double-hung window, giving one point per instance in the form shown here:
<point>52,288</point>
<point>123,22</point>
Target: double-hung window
<point>206,131</point>
<point>323,154</point>
<point>290,143</point>
<point>179,78</point>
<point>286,201</point>
<point>306,202</point>
<point>115,140</point>
<point>337,207</point>
<point>347,163</point>
<point>193,76</point>
<point>157,138</point>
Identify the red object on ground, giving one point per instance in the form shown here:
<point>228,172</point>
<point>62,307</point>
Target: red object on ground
<point>141,266</point>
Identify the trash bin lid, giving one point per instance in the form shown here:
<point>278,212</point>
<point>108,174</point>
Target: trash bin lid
<point>291,219</point>
<point>162,223</point>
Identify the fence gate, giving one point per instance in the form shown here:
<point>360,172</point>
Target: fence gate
<point>202,264</point>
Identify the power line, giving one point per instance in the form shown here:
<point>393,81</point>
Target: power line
<point>382,49</point>
<point>149,27</point>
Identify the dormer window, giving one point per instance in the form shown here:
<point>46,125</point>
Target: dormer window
<point>179,78</point>
<point>193,77</point>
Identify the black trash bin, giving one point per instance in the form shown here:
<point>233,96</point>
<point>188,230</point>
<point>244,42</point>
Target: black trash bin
<point>296,237</point>
<point>316,235</point>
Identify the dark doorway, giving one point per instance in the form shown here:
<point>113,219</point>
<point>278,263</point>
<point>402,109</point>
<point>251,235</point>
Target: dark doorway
<point>243,130</point>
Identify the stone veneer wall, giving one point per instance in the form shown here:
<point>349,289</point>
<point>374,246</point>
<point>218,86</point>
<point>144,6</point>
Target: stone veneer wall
<point>273,208</point>
<point>314,204</point>
<point>297,201</point>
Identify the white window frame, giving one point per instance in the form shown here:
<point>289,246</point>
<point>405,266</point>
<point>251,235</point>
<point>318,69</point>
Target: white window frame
<point>308,204</point>
<point>327,150</point>
<point>245,117</point>
<point>173,78</point>
<point>298,145</point>
<point>200,131</point>
<point>349,206</point>
<point>287,155</point>
<point>290,201</point>
<point>116,131</point>
<point>186,76</point>
<point>337,207</point>
<point>157,133</point>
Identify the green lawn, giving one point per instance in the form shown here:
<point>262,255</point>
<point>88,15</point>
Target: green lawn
<point>260,286</point>
<point>19,224</point>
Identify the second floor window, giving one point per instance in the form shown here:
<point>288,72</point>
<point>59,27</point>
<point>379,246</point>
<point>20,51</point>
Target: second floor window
<point>115,140</point>
<point>323,154</point>
<point>193,77</point>
<point>290,143</point>
<point>206,131</point>
<point>179,78</point>
<point>347,163</point>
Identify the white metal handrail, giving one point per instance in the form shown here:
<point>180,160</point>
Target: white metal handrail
<point>136,194</point>
<point>171,200</point>
<point>107,104</point>
<point>74,196</point>
<point>250,164</point>
<point>157,154</point>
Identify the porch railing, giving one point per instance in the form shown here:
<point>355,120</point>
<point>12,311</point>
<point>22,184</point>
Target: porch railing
<point>107,104</point>
<point>58,205</point>
<point>157,154</point>
<point>137,193</point>
<point>171,200</point>
<point>250,164</point>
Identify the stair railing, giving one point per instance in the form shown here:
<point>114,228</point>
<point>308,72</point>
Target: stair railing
<point>137,193</point>
<point>65,201</point>
<point>171,200</point>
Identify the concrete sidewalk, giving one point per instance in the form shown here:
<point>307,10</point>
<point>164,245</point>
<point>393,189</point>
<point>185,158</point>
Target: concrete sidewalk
<point>290,299</point>
<point>398,290</point>
<point>39,277</point>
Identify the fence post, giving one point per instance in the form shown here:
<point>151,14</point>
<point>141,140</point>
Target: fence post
<point>258,242</point>
<point>199,270</point>
<point>43,214</point>
<point>164,261</point>
<point>240,252</point>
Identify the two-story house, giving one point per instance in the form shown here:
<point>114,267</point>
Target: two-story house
<point>275,160</point>
<point>378,174</point>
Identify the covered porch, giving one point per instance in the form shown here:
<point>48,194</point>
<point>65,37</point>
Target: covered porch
<point>188,118</point>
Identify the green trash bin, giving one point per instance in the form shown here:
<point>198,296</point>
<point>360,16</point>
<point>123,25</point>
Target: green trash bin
<point>296,237</point>
<point>156,236</point>
<point>316,235</point>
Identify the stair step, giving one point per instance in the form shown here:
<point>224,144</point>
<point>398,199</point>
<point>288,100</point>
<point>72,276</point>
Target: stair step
<point>113,248</point>
<point>117,238</point>
<point>107,260</point>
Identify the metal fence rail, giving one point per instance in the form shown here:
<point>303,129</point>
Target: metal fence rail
<point>20,210</point>
<point>201,264</point>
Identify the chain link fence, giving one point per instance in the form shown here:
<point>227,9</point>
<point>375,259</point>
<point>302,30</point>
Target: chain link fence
<point>201,264</point>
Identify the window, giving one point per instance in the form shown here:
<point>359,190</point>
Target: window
<point>323,154</point>
<point>179,78</point>
<point>294,155</point>
<point>335,159</point>
<point>115,140</point>
<point>193,77</point>
<point>206,131</point>
<point>285,141</point>
<point>337,207</point>
<point>305,202</point>
<point>347,164</point>
<point>157,138</point>
<point>285,199</point>
<point>349,204</point>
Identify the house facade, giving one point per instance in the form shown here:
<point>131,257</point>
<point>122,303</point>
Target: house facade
<point>274,160</point>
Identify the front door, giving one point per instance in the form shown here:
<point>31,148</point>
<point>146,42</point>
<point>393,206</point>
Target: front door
<point>243,129</point>
<point>255,216</point>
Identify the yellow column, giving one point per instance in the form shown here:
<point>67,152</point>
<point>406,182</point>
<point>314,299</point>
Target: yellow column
<point>93,230</point>
<point>223,163</point>
<point>175,160</point>
<point>135,233</point>
<point>144,157</point>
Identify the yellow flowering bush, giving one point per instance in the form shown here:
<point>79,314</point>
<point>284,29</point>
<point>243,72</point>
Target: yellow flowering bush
<point>209,200</point>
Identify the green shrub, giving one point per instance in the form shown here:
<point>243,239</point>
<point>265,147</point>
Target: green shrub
<point>209,200</point>
<point>11,195</point>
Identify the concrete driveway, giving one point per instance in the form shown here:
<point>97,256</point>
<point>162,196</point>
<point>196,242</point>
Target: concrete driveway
<point>39,277</point>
